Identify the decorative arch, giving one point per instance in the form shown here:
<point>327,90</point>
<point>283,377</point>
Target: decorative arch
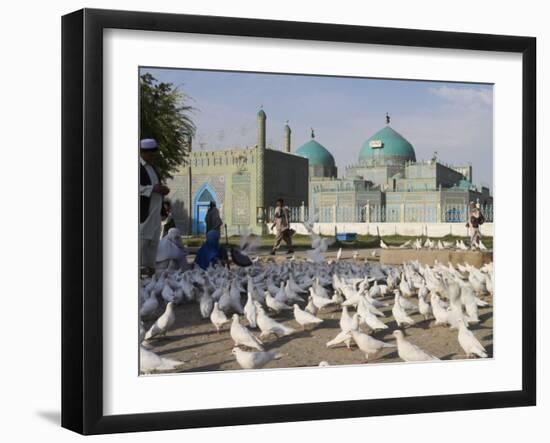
<point>202,198</point>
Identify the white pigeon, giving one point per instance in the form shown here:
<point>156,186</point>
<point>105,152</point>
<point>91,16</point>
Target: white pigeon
<point>345,320</point>
<point>383,245</point>
<point>291,295</point>
<point>254,360</point>
<point>375,290</point>
<point>319,302</point>
<point>206,304</point>
<point>163,323</point>
<point>408,351</point>
<point>424,307</point>
<point>250,311</point>
<point>369,345</point>
<point>304,318</point>
<point>167,293</point>
<point>323,364</point>
<point>342,337</point>
<point>269,326</point>
<point>149,306</point>
<point>242,336</point>
<point>441,314</point>
<point>372,321</point>
<point>274,304</point>
<point>399,313</point>
<point>150,362</point>
<point>310,307</point>
<point>469,342</point>
<point>405,287</point>
<point>218,317</point>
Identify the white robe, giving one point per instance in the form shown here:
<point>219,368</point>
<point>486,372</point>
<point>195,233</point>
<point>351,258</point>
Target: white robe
<point>150,228</point>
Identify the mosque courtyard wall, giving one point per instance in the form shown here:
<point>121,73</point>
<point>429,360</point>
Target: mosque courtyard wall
<point>433,230</point>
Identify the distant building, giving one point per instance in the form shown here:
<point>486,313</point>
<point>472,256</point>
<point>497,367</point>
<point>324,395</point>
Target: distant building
<point>242,182</point>
<point>387,184</point>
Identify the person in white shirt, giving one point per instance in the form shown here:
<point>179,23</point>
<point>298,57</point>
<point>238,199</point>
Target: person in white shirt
<point>151,194</point>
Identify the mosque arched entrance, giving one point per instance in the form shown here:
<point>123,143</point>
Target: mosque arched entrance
<point>201,202</point>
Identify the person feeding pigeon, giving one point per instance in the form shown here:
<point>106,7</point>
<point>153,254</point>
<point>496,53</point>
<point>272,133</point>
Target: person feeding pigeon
<point>476,220</point>
<point>211,252</point>
<point>282,227</point>
<point>151,194</point>
<point>171,252</point>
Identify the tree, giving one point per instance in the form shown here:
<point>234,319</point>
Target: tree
<point>164,116</point>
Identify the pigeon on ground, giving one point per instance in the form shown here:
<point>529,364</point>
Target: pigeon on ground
<point>310,307</point>
<point>440,313</point>
<point>342,337</point>
<point>399,314</point>
<point>242,336</point>
<point>206,305</point>
<point>274,304</point>
<point>304,318</point>
<point>163,323</point>
<point>269,326</point>
<point>254,360</point>
<point>369,345</point>
<point>250,311</point>
<point>150,362</point>
<point>469,342</point>
<point>408,351</point>
<point>150,306</point>
<point>218,317</point>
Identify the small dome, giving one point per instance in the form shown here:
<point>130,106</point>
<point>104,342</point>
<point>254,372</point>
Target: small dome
<point>464,184</point>
<point>316,153</point>
<point>387,145</point>
<point>261,113</point>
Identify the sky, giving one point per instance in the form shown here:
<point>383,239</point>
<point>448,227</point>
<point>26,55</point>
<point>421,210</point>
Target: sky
<point>454,119</point>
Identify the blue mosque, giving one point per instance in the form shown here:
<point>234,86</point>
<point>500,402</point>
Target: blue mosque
<point>386,184</point>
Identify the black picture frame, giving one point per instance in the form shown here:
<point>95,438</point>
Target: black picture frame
<point>82,218</point>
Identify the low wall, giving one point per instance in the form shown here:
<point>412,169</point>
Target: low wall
<point>399,256</point>
<point>434,230</point>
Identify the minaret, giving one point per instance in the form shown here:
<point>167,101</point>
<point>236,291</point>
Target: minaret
<point>260,122</point>
<point>286,146</point>
<point>260,150</point>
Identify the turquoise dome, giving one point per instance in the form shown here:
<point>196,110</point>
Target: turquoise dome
<point>316,153</point>
<point>464,184</point>
<point>387,144</point>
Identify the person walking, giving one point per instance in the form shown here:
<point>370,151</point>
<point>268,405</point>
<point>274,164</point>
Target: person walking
<point>476,220</point>
<point>151,194</point>
<point>281,225</point>
<point>212,219</point>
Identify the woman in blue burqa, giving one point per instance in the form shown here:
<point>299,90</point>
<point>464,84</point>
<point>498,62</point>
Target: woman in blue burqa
<point>210,252</point>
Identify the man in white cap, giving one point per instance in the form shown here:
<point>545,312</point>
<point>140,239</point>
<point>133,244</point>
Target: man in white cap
<point>151,193</point>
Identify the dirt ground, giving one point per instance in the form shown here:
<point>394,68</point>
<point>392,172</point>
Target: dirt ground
<point>194,340</point>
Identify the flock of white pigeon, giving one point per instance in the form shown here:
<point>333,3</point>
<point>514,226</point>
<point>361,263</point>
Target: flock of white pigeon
<point>440,245</point>
<point>249,304</point>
